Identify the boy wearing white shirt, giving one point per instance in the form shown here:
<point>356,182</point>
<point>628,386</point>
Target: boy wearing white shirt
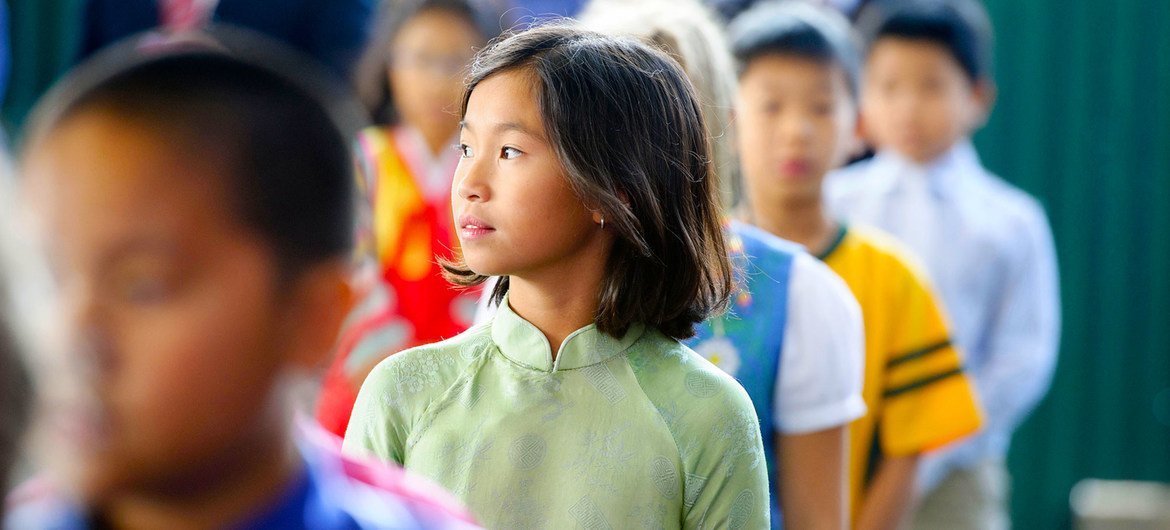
<point>986,245</point>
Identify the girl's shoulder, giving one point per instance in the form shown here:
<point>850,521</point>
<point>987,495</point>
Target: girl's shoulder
<point>432,366</point>
<point>670,372</point>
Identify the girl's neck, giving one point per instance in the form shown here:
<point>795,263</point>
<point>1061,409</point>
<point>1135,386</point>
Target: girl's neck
<point>221,497</point>
<point>803,222</point>
<point>560,300</point>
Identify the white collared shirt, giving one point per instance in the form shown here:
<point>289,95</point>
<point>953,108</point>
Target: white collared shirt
<point>988,250</point>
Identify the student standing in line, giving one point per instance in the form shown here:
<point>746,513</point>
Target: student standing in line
<point>585,185</point>
<point>796,113</point>
<point>986,245</point>
<point>203,273</point>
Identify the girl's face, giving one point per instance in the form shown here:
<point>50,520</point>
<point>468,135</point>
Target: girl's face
<point>427,58</point>
<point>512,202</point>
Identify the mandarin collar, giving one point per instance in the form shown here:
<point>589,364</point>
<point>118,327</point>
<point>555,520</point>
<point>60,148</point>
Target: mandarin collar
<point>524,344</point>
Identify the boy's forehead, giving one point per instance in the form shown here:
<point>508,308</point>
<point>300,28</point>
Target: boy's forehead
<point>780,69</point>
<point>898,50</point>
<point>97,171</point>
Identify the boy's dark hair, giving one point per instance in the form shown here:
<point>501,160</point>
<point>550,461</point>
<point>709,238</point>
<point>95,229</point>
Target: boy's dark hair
<point>370,77</point>
<point>796,29</point>
<point>289,170</point>
<point>626,125</point>
<point>959,26</point>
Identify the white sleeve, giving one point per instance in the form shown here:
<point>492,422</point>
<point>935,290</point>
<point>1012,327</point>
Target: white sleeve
<point>820,370</point>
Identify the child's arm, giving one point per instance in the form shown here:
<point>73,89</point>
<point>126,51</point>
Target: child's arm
<point>376,428</point>
<point>818,394</point>
<point>811,471</point>
<point>726,483</point>
<point>889,496</point>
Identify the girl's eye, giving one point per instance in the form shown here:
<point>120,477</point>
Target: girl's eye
<point>464,150</point>
<point>508,153</point>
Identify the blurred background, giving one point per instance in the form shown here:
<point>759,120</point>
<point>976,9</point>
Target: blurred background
<point>1082,123</point>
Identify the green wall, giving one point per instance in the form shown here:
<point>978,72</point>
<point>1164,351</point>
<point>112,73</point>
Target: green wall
<point>43,38</point>
<point>1083,123</point>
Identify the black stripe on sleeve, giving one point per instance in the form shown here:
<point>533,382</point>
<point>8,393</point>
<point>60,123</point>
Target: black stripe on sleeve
<point>918,354</point>
<point>926,381</point>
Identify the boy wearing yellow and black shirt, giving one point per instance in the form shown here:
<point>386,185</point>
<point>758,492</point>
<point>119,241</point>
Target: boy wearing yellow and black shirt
<point>796,114</point>
<point>918,396</point>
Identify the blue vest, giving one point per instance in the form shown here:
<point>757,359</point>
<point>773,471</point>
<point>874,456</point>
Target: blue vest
<point>747,341</point>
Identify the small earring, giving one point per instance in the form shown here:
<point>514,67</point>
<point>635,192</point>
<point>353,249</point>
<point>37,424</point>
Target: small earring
<point>603,223</point>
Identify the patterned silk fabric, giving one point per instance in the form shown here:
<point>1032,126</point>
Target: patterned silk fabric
<point>630,432</point>
<point>747,341</point>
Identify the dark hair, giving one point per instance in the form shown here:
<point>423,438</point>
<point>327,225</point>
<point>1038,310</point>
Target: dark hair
<point>289,173</point>
<point>370,78</point>
<point>796,29</point>
<point>959,26</point>
<point>15,397</point>
<point>626,125</point>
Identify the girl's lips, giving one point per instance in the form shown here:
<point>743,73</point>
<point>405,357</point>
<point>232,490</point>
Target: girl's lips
<point>469,233</point>
<point>471,228</point>
<point>794,168</point>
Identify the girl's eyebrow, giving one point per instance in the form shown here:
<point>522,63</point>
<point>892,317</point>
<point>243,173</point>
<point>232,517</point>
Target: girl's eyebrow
<point>504,127</point>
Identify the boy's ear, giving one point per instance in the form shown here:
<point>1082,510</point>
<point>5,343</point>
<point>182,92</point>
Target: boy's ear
<point>984,93</point>
<point>322,299</point>
<point>857,140</point>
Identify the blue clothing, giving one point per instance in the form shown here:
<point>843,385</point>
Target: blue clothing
<point>334,32</point>
<point>988,249</point>
<point>324,496</point>
<point>747,342</point>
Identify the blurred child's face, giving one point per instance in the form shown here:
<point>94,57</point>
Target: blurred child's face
<point>512,202</point>
<point>917,100</point>
<point>428,57</point>
<point>171,308</point>
<point>795,122</point>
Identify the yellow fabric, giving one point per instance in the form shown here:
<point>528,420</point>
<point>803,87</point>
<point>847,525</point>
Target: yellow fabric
<point>397,200</point>
<point>917,396</point>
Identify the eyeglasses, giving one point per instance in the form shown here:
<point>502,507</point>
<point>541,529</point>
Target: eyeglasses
<point>449,65</point>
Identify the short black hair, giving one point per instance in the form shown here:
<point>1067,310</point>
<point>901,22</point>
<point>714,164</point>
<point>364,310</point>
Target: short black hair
<point>371,81</point>
<point>796,29</point>
<point>290,172</point>
<point>959,26</point>
<point>627,126</point>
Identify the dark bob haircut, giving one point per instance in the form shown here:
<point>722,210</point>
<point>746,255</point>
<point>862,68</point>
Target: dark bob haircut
<point>626,125</point>
<point>373,85</point>
<point>961,27</point>
<point>290,174</point>
<point>796,29</point>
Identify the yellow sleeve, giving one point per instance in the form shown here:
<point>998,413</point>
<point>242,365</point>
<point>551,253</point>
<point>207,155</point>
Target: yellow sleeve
<point>928,399</point>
